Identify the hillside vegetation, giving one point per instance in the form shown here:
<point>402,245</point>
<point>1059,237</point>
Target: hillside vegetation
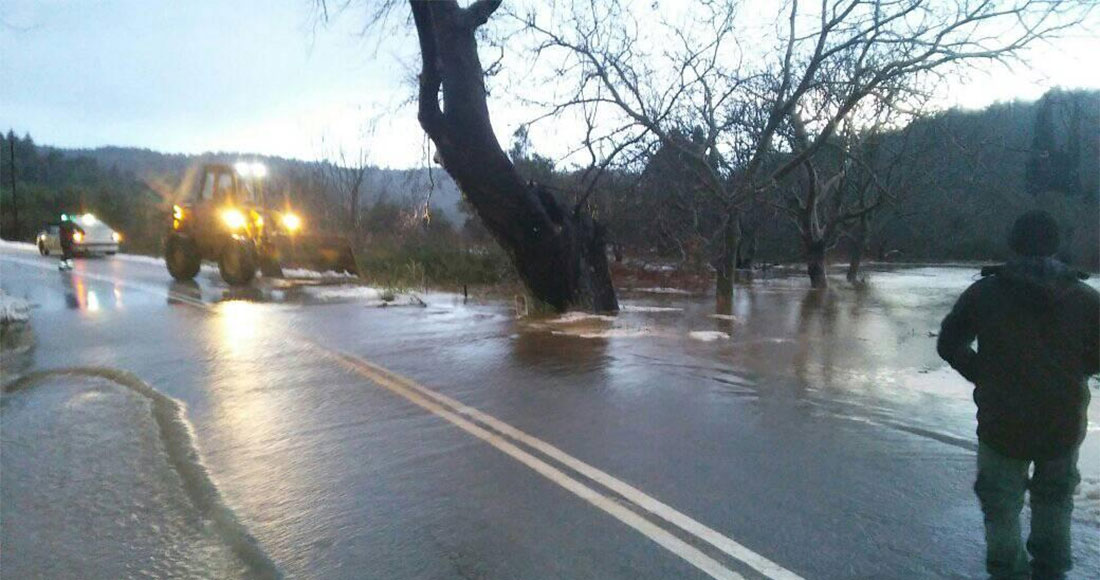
<point>958,180</point>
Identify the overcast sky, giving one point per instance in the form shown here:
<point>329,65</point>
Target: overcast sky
<point>253,76</point>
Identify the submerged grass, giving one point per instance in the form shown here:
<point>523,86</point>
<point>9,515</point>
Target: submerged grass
<point>411,265</point>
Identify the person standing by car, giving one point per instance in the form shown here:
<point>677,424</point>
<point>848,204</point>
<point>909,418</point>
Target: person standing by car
<point>1038,332</point>
<point>67,233</point>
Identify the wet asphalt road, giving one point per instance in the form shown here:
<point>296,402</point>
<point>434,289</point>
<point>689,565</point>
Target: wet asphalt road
<point>821,439</point>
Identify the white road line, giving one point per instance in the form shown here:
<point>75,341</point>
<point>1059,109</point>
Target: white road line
<point>687,552</point>
<point>450,409</point>
<point>638,497</point>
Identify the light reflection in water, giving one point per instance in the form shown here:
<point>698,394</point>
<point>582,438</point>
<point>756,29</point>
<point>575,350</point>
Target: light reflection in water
<point>82,297</point>
<point>246,405</point>
<point>93,301</point>
<point>238,320</point>
<point>253,417</point>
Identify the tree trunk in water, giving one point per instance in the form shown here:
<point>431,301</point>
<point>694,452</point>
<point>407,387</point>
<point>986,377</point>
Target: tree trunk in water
<point>855,263</point>
<point>559,253</point>
<point>355,213</point>
<point>726,266</point>
<point>746,248</point>
<point>815,264</point>
<point>859,247</point>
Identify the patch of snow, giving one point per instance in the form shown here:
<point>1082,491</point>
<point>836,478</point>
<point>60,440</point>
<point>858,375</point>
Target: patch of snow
<point>13,309</point>
<point>651,266</point>
<point>640,308</point>
<point>608,333</point>
<point>368,295</point>
<point>708,335</point>
<point>313,274</point>
<point>572,317</point>
<point>663,291</point>
<point>728,317</point>
<point>209,268</point>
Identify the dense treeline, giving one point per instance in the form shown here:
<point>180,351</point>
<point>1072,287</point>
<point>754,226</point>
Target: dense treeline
<point>972,173</point>
<point>407,235</point>
<point>956,180</point>
<point>49,183</point>
<point>955,183</point>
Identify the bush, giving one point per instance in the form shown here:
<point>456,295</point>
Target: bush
<point>418,261</point>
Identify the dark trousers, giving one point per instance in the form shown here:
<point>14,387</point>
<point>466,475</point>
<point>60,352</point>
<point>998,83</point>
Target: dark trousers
<point>1001,484</point>
<point>66,251</point>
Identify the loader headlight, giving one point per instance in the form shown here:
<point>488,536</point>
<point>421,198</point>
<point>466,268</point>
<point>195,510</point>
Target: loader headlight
<point>117,237</point>
<point>292,222</point>
<point>177,212</point>
<point>78,237</point>
<point>233,219</point>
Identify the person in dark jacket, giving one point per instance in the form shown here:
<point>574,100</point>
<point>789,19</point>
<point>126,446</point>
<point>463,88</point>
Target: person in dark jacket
<point>67,232</point>
<point>1038,332</point>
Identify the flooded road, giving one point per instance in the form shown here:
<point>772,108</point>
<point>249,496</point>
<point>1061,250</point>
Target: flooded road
<point>811,434</point>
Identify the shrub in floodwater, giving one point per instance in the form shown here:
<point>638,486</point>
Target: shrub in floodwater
<point>419,261</point>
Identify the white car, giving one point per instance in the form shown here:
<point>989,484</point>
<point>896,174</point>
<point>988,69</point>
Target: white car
<point>91,237</point>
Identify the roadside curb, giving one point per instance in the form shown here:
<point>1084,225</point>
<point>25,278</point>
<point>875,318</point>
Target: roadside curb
<point>183,457</point>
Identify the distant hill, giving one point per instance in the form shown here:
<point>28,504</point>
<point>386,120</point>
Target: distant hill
<point>407,186</point>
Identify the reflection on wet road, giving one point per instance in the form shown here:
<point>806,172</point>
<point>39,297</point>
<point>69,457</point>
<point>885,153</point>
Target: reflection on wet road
<point>811,434</point>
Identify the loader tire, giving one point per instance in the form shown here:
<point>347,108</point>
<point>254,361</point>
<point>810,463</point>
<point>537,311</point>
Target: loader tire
<point>269,266</point>
<point>237,263</point>
<point>182,258</point>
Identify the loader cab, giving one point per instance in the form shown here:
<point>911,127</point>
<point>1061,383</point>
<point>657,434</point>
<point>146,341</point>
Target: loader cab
<point>220,185</point>
<point>219,190</point>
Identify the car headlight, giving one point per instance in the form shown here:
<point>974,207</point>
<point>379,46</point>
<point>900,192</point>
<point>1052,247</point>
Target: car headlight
<point>292,222</point>
<point>233,219</point>
<point>78,237</point>
<point>117,237</point>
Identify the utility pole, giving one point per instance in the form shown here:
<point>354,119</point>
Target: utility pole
<point>14,198</point>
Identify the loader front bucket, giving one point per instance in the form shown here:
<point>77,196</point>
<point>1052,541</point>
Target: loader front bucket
<point>318,252</point>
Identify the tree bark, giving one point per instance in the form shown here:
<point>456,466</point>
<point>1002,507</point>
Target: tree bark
<point>815,264</point>
<point>746,247</point>
<point>354,210</point>
<point>855,263</point>
<point>559,253</point>
<point>726,266</point>
<point>859,248</point>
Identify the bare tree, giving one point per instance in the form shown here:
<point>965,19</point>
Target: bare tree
<point>558,251</point>
<point>843,186</point>
<point>642,74</point>
<point>344,175</point>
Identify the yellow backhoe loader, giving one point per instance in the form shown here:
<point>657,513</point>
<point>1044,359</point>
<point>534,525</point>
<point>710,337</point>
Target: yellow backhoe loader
<point>226,220</point>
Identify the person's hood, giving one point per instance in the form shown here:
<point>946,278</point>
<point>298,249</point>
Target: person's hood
<point>1038,281</point>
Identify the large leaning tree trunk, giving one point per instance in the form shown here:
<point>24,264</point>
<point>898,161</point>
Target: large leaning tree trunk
<point>559,252</point>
